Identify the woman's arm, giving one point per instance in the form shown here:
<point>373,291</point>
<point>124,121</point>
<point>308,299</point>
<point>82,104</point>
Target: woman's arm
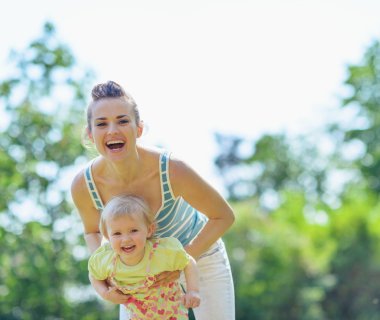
<point>89,215</point>
<point>202,196</point>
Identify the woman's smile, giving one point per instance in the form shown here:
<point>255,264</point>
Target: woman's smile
<point>115,145</point>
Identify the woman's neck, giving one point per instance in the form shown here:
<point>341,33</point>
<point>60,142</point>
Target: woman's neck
<point>126,170</point>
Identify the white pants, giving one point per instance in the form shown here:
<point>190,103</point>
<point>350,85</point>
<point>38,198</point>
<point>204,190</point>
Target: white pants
<point>216,286</point>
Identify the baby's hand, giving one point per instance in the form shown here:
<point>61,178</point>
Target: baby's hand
<point>115,296</point>
<point>191,299</point>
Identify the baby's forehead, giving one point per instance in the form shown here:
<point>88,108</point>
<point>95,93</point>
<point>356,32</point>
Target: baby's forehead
<point>135,216</point>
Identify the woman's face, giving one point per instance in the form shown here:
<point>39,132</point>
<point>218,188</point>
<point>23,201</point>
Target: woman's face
<point>113,127</point>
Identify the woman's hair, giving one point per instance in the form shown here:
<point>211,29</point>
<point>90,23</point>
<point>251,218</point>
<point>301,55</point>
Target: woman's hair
<point>110,89</point>
<point>122,206</point>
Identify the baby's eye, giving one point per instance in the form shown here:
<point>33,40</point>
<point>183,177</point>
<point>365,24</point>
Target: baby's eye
<point>134,230</point>
<point>117,234</point>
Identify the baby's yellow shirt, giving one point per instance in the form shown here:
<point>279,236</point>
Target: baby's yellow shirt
<point>168,256</point>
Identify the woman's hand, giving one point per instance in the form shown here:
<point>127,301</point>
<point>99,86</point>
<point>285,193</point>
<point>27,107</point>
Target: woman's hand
<point>191,299</point>
<point>115,296</point>
<point>166,277</point>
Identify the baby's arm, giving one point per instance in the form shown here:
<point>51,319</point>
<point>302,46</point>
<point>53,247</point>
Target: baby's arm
<point>191,299</point>
<point>98,274</point>
<point>108,293</point>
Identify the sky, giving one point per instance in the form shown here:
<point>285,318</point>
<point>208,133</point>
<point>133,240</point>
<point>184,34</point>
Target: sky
<point>238,67</point>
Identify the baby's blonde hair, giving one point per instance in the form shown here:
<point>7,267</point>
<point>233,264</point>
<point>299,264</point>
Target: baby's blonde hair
<point>122,206</point>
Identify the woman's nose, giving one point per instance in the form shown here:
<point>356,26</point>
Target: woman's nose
<point>112,128</point>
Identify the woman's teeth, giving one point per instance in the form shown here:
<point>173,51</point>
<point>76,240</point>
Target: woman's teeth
<point>117,144</point>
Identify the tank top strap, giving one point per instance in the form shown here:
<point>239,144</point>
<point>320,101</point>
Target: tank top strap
<point>94,194</point>
<point>167,193</point>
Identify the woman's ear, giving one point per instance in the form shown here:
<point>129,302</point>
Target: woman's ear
<point>140,129</point>
<point>89,134</point>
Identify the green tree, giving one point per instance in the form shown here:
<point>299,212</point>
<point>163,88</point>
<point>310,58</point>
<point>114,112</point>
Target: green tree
<point>359,136</point>
<point>43,272</point>
<point>279,261</point>
<point>275,162</point>
<point>319,263</point>
<point>313,252</point>
<point>355,263</point>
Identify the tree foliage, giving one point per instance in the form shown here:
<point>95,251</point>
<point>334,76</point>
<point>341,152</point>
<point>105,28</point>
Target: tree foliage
<point>293,264</point>
<point>43,271</point>
<point>364,104</point>
<point>276,162</point>
<point>314,253</point>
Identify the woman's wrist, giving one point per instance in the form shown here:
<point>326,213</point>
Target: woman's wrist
<point>190,251</point>
<point>193,291</point>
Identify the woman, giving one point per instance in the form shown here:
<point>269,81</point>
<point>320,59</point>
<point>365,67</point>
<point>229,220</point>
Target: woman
<point>185,205</point>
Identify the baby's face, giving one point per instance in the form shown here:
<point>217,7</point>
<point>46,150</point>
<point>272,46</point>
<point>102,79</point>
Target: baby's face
<point>127,236</point>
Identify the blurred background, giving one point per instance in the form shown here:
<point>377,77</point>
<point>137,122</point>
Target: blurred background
<point>275,103</point>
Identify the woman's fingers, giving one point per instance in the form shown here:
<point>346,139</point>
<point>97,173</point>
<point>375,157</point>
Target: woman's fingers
<point>191,299</point>
<point>190,302</point>
<point>166,277</point>
<point>116,296</point>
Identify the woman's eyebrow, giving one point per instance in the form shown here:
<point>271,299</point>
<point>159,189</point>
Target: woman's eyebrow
<point>118,117</point>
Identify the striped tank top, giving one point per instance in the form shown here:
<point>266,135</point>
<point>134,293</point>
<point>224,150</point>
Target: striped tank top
<point>175,218</point>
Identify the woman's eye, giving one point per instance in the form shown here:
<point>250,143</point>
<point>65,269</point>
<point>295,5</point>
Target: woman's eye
<point>124,121</point>
<point>100,124</point>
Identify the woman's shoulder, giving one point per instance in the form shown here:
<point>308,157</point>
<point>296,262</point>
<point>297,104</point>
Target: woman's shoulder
<point>79,189</point>
<point>182,175</point>
<point>150,153</point>
<point>177,164</point>
<point>78,184</point>
<point>154,154</point>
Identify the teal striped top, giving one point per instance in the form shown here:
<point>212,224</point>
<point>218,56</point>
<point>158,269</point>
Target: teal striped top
<point>176,218</point>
